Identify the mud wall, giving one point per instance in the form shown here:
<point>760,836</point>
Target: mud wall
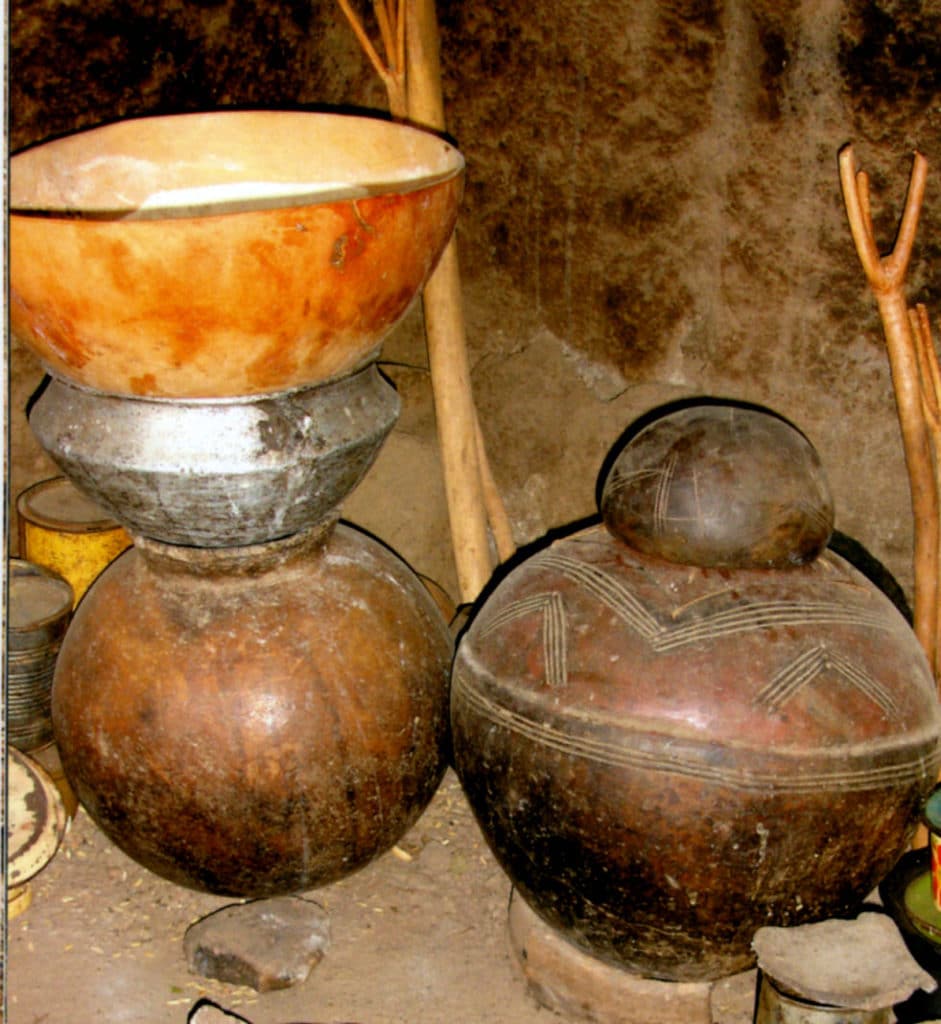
<point>652,211</point>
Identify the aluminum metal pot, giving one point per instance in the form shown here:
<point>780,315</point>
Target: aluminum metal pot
<point>218,472</point>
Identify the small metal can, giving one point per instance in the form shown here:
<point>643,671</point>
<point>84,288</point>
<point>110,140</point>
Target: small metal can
<point>62,529</point>
<point>776,1006</point>
<point>40,607</point>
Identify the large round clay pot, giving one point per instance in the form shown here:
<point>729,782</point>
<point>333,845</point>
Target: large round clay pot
<point>666,756</point>
<point>255,721</point>
<point>222,254</point>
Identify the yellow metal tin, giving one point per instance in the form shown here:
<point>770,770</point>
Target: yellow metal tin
<point>65,531</point>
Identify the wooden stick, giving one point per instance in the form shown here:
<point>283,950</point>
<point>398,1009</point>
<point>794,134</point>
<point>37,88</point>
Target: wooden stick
<point>496,511</point>
<point>930,375</point>
<point>384,18</point>
<point>413,63</point>
<point>886,277</point>
<point>392,70</point>
<point>462,452</point>
<point>456,419</point>
<point>423,56</point>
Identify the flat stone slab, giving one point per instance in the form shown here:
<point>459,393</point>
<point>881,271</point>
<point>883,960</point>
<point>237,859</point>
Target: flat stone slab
<point>265,944</point>
<point>862,964</point>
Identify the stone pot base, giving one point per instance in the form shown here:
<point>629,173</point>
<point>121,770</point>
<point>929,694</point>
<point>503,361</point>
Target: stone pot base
<point>582,988</point>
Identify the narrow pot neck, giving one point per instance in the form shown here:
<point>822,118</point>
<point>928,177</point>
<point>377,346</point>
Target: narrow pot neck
<point>252,560</point>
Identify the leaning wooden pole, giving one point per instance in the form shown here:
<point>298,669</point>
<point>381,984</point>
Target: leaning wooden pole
<point>411,73</point>
<point>930,374</point>
<point>444,328</point>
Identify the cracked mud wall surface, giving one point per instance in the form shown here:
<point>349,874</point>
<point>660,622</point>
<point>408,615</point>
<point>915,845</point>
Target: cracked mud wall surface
<point>652,211</point>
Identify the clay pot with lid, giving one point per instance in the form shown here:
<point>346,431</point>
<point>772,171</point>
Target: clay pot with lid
<point>673,732</point>
<point>258,720</point>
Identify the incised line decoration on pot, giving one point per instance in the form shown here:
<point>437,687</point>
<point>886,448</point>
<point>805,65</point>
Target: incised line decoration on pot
<point>670,627</point>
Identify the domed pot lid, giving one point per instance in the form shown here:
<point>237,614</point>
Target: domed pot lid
<point>721,485</point>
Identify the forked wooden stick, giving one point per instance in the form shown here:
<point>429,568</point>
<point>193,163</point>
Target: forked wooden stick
<point>471,492</point>
<point>886,277</point>
<point>390,15</point>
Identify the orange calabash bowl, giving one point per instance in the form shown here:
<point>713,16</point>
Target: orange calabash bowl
<point>224,254</point>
